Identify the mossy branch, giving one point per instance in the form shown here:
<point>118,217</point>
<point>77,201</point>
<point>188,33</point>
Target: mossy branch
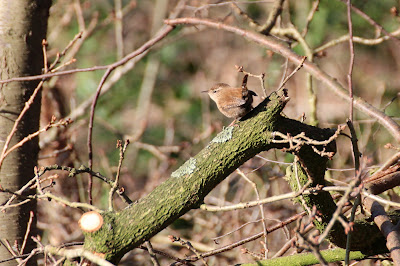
<point>260,130</point>
<point>331,255</point>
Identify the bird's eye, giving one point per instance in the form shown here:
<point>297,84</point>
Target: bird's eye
<point>214,91</point>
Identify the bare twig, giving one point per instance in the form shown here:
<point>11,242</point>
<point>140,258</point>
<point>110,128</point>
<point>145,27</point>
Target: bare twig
<point>310,17</point>
<point>374,23</point>
<point>255,203</point>
<point>189,246</point>
<point>74,253</point>
<point>260,77</point>
<point>291,74</point>
<point>273,15</point>
<point>122,149</point>
<point>356,39</point>
<point>72,172</point>
<point>265,242</point>
<point>90,132</point>
<point>61,73</point>
<point>340,206</point>
<point>46,76</point>
<point>249,239</point>
<point>206,6</point>
<point>18,120</point>
<point>153,256</point>
<point>300,190</point>
<point>118,28</point>
<point>52,124</point>
<point>41,246</point>
<point>59,55</point>
<point>167,255</point>
<point>6,244</point>
<point>28,229</point>
<point>393,160</point>
<point>356,152</point>
<point>351,64</point>
<point>356,158</point>
<point>380,200</point>
<point>308,243</point>
<point>292,241</point>
<point>66,202</point>
<point>215,239</point>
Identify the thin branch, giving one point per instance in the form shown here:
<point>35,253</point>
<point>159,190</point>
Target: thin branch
<point>308,243</point>
<point>74,253</point>
<point>351,64</point>
<point>260,77</point>
<point>249,239</point>
<point>380,200</point>
<point>122,149</point>
<point>189,246</point>
<point>50,75</point>
<point>374,23</point>
<point>18,120</point>
<point>339,208</point>
<point>356,158</point>
<point>28,229</point>
<point>65,202</point>
<point>72,172</point>
<point>90,132</point>
<point>393,160</point>
<point>143,49</point>
<point>291,74</point>
<point>34,135</point>
<point>167,255</point>
<point>153,255</point>
<point>310,16</point>
<point>276,198</point>
<point>273,15</point>
<point>69,45</point>
<point>356,39</point>
<point>292,241</point>
<point>265,244</point>
<point>215,239</point>
<point>5,243</point>
<point>41,246</point>
<point>119,40</point>
<point>354,143</point>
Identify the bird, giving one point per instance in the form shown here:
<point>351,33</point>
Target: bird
<point>233,102</point>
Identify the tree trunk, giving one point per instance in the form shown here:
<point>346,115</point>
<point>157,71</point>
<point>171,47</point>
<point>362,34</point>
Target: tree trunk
<point>23,26</point>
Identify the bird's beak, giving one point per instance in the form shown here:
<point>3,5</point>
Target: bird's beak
<point>204,91</point>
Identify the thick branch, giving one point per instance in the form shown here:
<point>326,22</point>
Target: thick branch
<point>388,229</point>
<point>262,129</point>
<point>187,186</point>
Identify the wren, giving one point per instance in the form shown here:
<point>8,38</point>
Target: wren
<point>232,102</point>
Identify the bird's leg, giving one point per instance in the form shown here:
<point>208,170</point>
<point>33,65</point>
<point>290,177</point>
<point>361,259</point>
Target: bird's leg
<point>233,123</point>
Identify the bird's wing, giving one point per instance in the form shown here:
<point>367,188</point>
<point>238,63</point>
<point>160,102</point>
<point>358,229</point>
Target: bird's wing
<point>234,102</point>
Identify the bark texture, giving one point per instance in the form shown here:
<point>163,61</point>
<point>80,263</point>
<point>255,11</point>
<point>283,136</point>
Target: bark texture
<point>23,26</point>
